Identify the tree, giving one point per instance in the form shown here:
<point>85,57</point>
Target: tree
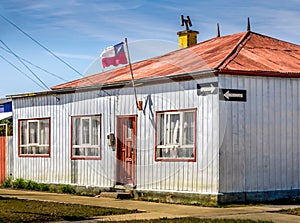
<point>9,127</point>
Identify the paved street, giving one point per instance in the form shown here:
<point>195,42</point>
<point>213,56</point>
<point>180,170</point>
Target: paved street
<point>153,210</point>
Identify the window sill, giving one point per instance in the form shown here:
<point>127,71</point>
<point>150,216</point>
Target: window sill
<point>85,158</point>
<point>192,159</point>
<point>34,155</point>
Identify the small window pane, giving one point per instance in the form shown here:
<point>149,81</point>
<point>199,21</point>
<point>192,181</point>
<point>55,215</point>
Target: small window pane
<point>174,125</point>
<point>24,132</point>
<point>92,152</point>
<point>44,132</point>
<point>42,150</point>
<point>95,130</point>
<point>33,132</point>
<point>188,128</point>
<point>161,129</point>
<point>129,128</point>
<point>85,131</point>
<point>23,150</point>
<point>76,131</point>
<point>186,152</point>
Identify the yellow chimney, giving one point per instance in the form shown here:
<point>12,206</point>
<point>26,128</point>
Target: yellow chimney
<point>187,37</point>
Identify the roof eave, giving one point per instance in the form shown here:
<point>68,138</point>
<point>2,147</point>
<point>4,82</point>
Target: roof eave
<point>138,82</point>
<point>143,81</point>
<point>260,73</point>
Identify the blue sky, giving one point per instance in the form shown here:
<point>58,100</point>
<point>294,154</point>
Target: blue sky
<point>79,30</point>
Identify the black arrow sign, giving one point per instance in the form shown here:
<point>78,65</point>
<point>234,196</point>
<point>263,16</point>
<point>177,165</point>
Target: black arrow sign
<point>207,88</point>
<point>233,95</point>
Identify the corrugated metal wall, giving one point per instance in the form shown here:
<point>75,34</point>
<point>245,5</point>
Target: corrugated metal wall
<point>200,176</point>
<point>259,139</point>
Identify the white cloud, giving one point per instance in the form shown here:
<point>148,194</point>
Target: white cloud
<point>61,13</point>
<point>38,6</point>
<point>283,21</point>
<point>116,5</point>
<point>74,56</point>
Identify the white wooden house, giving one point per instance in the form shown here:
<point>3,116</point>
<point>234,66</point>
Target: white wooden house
<point>219,122</point>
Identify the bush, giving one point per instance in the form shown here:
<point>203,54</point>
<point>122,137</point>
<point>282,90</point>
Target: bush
<point>32,185</point>
<point>19,183</point>
<point>43,187</point>
<point>7,183</point>
<point>53,189</point>
<point>67,189</point>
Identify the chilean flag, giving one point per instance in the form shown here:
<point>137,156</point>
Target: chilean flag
<point>114,55</point>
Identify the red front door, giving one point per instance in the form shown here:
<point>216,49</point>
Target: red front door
<point>126,150</point>
<point>2,158</point>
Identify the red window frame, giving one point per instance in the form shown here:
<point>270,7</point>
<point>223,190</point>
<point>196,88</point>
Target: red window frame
<point>34,155</point>
<point>98,157</point>
<point>175,159</point>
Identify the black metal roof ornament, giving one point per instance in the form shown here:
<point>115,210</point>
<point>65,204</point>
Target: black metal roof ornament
<point>187,22</point>
<point>248,25</point>
<point>218,30</point>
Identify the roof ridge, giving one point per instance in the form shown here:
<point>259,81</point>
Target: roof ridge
<point>234,52</point>
<point>276,39</point>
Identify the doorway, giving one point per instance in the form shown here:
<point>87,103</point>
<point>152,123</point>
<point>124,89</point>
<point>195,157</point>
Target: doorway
<point>126,150</point>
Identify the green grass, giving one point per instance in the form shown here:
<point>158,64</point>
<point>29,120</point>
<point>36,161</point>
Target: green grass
<point>192,220</point>
<point>15,210</point>
<point>295,211</point>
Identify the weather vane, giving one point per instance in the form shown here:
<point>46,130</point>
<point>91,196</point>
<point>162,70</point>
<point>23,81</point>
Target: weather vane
<point>187,22</point>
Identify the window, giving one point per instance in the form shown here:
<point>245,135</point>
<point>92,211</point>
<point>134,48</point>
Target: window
<point>86,137</point>
<point>175,135</point>
<point>34,137</point>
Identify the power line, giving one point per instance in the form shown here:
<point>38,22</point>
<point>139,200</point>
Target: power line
<point>46,71</point>
<point>36,76</point>
<point>21,71</point>
<point>45,48</point>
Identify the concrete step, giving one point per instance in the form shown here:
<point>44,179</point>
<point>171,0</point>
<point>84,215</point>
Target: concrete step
<point>124,189</point>
<point>117,195</point>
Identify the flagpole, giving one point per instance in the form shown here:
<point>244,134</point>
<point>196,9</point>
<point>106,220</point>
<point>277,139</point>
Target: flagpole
<point>131,72</point>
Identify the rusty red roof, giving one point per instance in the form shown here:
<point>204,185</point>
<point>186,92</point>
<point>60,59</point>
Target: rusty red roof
<point>246,52</point>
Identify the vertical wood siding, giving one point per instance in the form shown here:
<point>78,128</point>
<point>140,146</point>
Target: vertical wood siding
<point>259,139</point>
<point>2,158</point>
<point>201,176</point>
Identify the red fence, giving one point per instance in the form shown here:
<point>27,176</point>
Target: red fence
<point>2,158</point>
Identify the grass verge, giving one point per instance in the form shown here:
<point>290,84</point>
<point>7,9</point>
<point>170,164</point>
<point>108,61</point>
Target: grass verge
<point>193,220</point>
<point>16,210</point>
<point>294,211</point>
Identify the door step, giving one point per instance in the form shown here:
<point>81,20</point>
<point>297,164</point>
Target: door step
<point>124,188</point>
<point>119,192</point>
<point>117,195</point>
